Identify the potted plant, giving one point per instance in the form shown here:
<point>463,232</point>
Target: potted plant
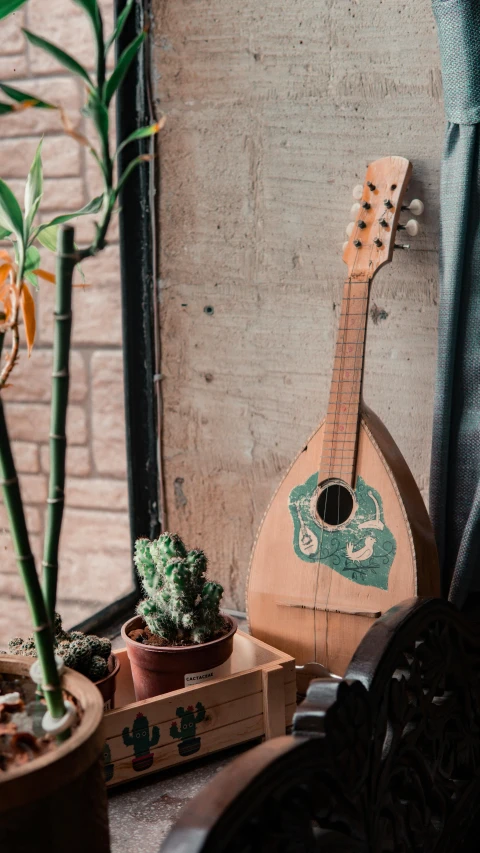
<point>85,653</point>
<point>46,779</point>
<point>179,628</point>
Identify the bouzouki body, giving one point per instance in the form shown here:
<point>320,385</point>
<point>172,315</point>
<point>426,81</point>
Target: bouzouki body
<point>347,534</point>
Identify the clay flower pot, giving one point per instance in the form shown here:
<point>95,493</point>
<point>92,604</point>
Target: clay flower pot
<point>160,669</point>
<point>58,801</point>
<point>107,684</point>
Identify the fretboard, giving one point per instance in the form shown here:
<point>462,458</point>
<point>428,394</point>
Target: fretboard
<point>341,424</point>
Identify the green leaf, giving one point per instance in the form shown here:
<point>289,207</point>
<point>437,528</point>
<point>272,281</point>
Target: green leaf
<point>32,259</point>
<point>128,171</point>
<point>47,234</point>
<point>121,21</point>
<point>5,108</point>
<point>98,112</point>
<point>4,233</point>
<point>141,133</point>
<point>122,66</point>
<point>32,279</point>
<point>33,190</point>
<point>48,237</point>
<point>10,212</point>
<point>9,6</point>
<point>21,97</point>
<point>63,58</point>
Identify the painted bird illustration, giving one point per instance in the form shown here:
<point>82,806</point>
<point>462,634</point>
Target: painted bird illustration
<point>363,553</point>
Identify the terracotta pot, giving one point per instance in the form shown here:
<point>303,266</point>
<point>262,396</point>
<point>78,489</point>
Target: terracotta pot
<point>160,669</point>
<point>58,802</point>
<point>107,685</point>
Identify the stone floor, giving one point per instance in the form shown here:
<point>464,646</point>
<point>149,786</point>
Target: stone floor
<point>142,813</point>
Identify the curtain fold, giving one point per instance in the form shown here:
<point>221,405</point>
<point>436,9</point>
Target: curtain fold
<point>455,467</point>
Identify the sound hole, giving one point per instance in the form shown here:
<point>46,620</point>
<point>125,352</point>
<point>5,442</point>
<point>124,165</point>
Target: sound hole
<point>335,504</point>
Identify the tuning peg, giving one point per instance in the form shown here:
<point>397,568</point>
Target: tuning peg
<point>398,246</point>
<point>357,192</point>
<point>349,229</point>
<point>416,207</point>
<point>355,208</point>
<point>412,227</point>
<point>344,245</point>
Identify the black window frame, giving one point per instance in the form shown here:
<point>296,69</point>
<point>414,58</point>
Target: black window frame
<point>140,329</point>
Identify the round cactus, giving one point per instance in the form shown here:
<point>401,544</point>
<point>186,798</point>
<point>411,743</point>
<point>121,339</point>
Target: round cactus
<point>14,644</point>
<point>97,668</point>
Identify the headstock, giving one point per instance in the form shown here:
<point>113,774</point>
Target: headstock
<point>376,219</point>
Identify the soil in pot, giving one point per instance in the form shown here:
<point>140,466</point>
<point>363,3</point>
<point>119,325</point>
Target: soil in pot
<point>159,669</point>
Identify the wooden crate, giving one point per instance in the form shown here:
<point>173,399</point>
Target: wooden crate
<point>254,698</point>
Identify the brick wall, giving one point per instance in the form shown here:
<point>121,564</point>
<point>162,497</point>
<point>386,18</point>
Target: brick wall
<point>95,547</point>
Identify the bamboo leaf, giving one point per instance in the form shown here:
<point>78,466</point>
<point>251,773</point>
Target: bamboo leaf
<point>32,259</point>
<point>47,276</point>
<point>48,237</point>
<point>33,189</point>
<point>122,66</point>
<point>10,213</point>
<point>9,6</point>
<point>32,278</point>
<point>121,21</point>
<point>4,233</point>
<point>142,133</point>
<point>143,158</point>
<point>5,108</point>
<point>63,58</point>
<point>28,313</point>
<point>23,97</point>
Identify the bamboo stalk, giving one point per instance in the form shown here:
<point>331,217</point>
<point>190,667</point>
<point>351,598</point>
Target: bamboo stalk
<point>26,565</point>
<point>58,440</point>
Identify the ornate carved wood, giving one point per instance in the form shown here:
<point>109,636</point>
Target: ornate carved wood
<point>387,761</point>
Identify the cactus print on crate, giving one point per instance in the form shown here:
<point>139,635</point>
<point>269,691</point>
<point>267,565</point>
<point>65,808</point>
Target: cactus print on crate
<point>189,743</point>
<point>141,741</point>
<point>108,766</point>
<point>362,549</point>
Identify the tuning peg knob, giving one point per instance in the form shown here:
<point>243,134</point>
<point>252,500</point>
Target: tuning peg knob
<point>344,245</point>
<point>357,192</point>
<point>355,209</point>
<point>349,229</point>
<point>416,207</point>
<point>412,227</point>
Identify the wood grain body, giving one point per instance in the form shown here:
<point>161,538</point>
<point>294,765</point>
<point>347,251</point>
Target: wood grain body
<point>282,588</point>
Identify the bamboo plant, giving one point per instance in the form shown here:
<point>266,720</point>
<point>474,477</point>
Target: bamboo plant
<point>23,270</point>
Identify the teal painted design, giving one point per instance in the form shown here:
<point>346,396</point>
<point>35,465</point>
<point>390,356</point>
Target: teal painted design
<point>187,733</point>
<point>361,550</point>
<point>141,741</point>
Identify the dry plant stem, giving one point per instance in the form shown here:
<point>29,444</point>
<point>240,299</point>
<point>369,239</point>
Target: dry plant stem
<point>13,325</point>
<point>26,565</point>
<point>58,415</point>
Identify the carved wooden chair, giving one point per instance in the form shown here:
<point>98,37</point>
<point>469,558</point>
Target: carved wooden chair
<point>386,760</point>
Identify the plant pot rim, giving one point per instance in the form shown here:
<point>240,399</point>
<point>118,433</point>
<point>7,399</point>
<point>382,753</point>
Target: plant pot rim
<point>38,778</point>
<point>175,650</point>
<point>112,674</point>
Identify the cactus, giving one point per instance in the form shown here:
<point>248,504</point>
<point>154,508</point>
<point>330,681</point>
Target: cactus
<point>141,741</point>
<point>181,605</point>
<point>187,733</point>
<point>188,721</point>
<point>84,653</point>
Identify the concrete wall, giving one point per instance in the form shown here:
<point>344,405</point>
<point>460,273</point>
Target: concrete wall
<point>95,546</point>
<point>274,109</point>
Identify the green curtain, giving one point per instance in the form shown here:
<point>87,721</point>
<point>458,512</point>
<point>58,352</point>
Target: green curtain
<point>455,469</point>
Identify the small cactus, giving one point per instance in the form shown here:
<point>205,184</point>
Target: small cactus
<point>181,605</point>
<point>82,652</point>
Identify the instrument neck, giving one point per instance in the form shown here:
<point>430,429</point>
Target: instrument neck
<point>342,422</point>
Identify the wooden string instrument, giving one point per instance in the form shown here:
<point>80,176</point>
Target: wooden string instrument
<point>347,534</point>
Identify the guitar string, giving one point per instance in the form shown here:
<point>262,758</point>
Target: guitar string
<point>326,499</point>
<point>340,453</point>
